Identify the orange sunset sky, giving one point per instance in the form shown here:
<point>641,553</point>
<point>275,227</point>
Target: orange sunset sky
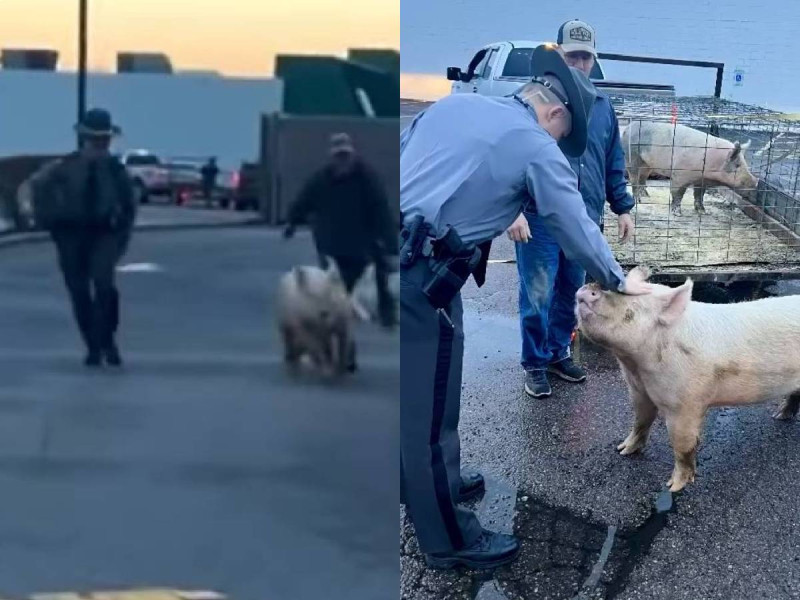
<point>236,37</point>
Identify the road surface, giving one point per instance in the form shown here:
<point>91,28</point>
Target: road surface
<point>202,465</point>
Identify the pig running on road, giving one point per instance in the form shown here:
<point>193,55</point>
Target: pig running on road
<point>688,157</point>
<point>679,358</point>
<point>315,318</point>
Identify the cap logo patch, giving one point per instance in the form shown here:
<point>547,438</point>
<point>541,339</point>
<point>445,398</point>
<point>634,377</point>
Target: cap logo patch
<point>580,34</point>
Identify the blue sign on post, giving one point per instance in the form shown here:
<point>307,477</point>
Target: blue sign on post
<point>738,77</point>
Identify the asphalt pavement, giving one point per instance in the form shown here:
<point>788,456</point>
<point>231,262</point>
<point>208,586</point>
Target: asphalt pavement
<point>732,535</point>
<point>202,465</point>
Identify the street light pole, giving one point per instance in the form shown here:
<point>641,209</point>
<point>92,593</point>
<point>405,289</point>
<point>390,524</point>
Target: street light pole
<point>82,60</point>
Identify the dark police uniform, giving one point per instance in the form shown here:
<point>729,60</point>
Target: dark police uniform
<point>87,205</point>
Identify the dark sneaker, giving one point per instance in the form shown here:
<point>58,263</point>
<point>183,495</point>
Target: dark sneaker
<point>536,384</point>
<point>567,370</point>
<point>472,484</point>
<point>490,550</point>
<point>113,357</point>
<point>92,359</point>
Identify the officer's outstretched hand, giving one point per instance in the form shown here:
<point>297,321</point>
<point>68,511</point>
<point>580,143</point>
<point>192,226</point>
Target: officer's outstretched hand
<point>288,232</point>
<point>519,231</point>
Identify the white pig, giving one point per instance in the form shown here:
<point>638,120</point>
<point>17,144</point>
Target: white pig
<point>315,318</point>
<point>679,358</point>
<point>687,156</point>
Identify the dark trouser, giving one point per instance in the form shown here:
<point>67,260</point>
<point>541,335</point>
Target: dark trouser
<point>431,356</point>
<point>352,268</point>
<point>87,259</point>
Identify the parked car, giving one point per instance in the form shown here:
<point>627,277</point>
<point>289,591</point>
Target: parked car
<point>185,181</point>
<point>149,176</point>
<point>246,187</point>
<point>499,69</point>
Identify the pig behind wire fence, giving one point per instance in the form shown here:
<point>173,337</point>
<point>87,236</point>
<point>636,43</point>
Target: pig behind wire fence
<point>717,183</point>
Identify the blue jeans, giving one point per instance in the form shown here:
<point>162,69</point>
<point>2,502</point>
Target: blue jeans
<point>548,283</point>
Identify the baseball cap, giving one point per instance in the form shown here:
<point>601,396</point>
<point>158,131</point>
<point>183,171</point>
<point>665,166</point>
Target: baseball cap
<point>577,36</point>
<point>341,143</point>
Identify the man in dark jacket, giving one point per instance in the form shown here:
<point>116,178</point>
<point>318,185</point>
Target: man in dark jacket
<point>209,174</point>
<point>548,279</point>
<point>86,202</point>
<point>350,219</point>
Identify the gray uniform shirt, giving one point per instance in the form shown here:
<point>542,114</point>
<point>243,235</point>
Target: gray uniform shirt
<point>472,162</point>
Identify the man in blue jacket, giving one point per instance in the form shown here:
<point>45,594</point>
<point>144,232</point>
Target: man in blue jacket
<point>548,279</point>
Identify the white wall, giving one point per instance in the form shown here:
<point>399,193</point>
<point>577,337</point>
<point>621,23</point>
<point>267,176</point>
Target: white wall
<point>172,115</point>
<point>760,37</point>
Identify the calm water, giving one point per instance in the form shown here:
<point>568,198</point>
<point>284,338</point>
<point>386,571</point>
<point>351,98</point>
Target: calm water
<point>758,38</point>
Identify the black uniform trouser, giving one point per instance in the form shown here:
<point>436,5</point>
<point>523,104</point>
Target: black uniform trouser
<point>88,258</point>
<point>352,268</point>
<point>431,358</point>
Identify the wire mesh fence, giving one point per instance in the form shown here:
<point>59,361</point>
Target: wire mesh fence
<point>742,164</point>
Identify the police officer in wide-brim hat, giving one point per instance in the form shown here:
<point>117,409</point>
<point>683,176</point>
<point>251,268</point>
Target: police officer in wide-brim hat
<point>468,166</point>
<point>86,202</point>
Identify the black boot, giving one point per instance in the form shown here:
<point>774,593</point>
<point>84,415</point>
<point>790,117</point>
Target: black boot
<point>489,551</point>
<point>92,359</point>
<point>112,356</point>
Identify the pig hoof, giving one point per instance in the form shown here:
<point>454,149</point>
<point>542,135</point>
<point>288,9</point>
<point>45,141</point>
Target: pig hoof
<point>630,446</point>
<point>676,212</point>
<point>679,480</point>
<point>785,412</point>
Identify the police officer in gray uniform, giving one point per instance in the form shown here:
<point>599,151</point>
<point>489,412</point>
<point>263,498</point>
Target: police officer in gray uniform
<point>467,165</point>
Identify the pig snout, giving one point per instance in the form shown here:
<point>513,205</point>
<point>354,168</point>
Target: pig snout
<point>587,298</point>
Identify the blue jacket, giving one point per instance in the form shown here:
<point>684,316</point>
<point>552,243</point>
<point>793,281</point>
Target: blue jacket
<point>472,162</point>
<point>601,169</point>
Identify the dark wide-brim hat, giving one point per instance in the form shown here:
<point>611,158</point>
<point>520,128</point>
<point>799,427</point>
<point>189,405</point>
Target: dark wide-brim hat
<point>97,123</point>
<point>547,62</point>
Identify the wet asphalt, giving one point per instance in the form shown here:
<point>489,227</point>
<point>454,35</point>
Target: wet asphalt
<point>202,465</point>
<point>731,535</point>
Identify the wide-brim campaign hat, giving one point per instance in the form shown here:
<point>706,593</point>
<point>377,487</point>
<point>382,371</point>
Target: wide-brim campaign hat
<point>97,123</point>
<point>547,62</point>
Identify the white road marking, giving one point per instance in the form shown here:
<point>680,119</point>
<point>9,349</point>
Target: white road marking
<point>140,268</point>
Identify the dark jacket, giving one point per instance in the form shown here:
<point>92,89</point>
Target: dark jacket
<point>209,174</point>
<point>349,215</point>
<point>61,199</point>
<point>601,169</point>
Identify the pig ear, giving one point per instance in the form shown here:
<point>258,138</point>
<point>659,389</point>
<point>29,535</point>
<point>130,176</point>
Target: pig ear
<point>675,303</point>
<point>737,148</point>
<point>642,273</point>
<point>746,145</point>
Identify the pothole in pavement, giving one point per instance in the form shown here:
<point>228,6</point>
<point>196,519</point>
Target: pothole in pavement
<point>564,556</point>
<point>570,557</point>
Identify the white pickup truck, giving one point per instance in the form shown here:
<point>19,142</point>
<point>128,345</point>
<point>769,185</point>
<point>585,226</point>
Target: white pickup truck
<point>499,69</point>
<point>149,176</point>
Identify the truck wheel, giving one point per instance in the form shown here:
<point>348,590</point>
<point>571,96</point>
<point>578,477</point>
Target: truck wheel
<point>224,203</point>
